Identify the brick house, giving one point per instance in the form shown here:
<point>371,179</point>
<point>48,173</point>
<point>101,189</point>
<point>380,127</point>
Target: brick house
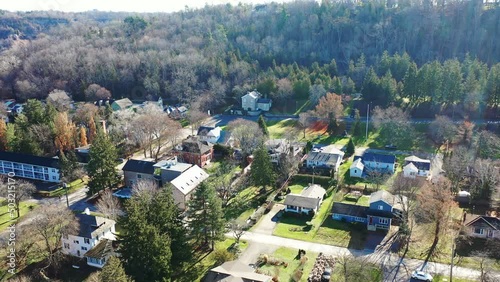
<point>195,151</point>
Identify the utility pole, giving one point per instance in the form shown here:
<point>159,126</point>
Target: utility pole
<point>367,114</point>
<point>66,188</point>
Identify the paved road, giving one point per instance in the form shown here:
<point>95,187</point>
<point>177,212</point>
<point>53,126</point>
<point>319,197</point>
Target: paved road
<point>388,261</point>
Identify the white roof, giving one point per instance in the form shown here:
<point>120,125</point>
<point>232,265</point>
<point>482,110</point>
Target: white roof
<point>410,167</point>
<point>253,94</point>
<point>313,191</point>
<point>358,164</point>
<point>416,159</point>
<point>189,179</point>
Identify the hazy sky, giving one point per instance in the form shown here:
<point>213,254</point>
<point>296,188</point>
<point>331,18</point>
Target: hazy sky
<point>116,5</point>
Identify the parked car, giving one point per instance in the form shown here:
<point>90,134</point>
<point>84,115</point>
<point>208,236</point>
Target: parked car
<point>327,273</point>
<point>421,275</point>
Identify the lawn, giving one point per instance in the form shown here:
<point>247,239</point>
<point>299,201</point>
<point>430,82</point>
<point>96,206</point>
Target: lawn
<point>243,204</point>
<point>296,268</point>
<point>324,230</point>
<point>278,128</point>
<point>5,217</point>
<point>72,187</point>
<point>361,201</point>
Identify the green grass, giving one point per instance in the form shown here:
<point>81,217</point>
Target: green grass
<point>242,204</point>
<point>303,108</point>
<point>5,216</point>
<point>278,128</point>
<point>289,256</point>
<point>72,187</point>
<point>443,278</point>
<point>362,201</point>
<point>296,188</point>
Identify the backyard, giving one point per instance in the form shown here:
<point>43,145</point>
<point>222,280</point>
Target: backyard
<point>5,215</point>
<point>285,264</point>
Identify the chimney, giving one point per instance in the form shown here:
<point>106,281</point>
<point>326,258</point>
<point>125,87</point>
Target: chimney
<point>103,125</point>
<point>86,211</point>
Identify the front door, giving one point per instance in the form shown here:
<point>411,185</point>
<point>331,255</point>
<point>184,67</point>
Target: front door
<point>490,233</point>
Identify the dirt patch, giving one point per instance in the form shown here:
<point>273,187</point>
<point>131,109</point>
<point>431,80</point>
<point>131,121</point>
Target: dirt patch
<point>319,127</point>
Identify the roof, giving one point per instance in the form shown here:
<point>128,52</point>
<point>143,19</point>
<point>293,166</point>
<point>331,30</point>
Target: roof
<point>172,165</point>
<point>91,226</point>
<point>139,166</point>
<point>420,164</point>
<point>204,130</point>
<point>189,179</point>
<point>348,209</point>
<point>324,157</point>
<point>194,145</point>
<point>277,145</point>
<point>313,191</point>
<point>225,136</point>
<point>358,164</point>
<point>301,201</point>
<point>411,167</point>
<point>482,220</point>
<point>101,250</point>
<point>124,193</point>
<point>253,94</point>
<point>264,100</point>
<point>123,103</point>
<point>373,157</point>
<point>382,195</point>
<point>238,271</point>
<point>58,95</point>
<point>29,159</point>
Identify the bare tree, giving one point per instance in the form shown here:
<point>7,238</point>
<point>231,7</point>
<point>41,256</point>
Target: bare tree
<point>48,226</point>
<point>486,179</point>
<point>457,165</point>
<point>394,124</point>
<point>329,105</point>
<point>247,134</point>
<point>196,117</point>
<point>358,269</point>
<point>442,130</point>
<point>16,191</point>
<point>223,181</point>
<point>84,112</point>
<point>96,92</point>
<point>238,228</point>
<point>143,186</point>
<point>109,205</point>
<point>305,120</point>
<point>485,266</point>
<point>376,177</point>
<point>59,99</point>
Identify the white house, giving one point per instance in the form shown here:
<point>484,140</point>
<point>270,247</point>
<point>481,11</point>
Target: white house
<point>91,232</point>
<point>379,162</point>
<point>327,157</point>
<point>184,185</point>
<point>416,166</point>
<point>356,169</point>
<point>310,199</point>
<point>29,166</point>
<point>249,101</point>
<point>209,134</point>
<point>264,104</point>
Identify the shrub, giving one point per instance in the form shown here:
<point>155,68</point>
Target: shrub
<point>223,255</point>
<point>297,274</point>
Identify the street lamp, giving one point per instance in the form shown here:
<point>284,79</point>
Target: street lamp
<point>65,186</point>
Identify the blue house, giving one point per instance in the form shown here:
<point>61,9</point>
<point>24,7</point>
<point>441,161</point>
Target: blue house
<point>378,216</point>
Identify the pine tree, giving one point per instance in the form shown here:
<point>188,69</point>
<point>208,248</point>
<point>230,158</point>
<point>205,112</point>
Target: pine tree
<point>207,218</point>
<point>262,173</point>
<point>113,271</point>
<point>4,144</point>
<point>350,148</point>
<point>92,130</point>
<point>333,126</point>
<point>68,163</point>
<point>263,125</point>
<point>83,136</point>
<point>101,166</point>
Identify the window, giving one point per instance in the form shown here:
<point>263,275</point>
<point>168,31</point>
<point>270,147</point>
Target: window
<point>479,231</point>
<point>76,242</point>
<point>66,245</point>
<point>86,240</point>
<point>380,207</point>
<point>383,220</point>
<point>84,248</point>
<point>355,171</point>
<point>139,176</point>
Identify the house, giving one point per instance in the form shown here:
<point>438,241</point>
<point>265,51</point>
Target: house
<point>264,104</point>
<point>194,151</point>
<point>17,109</point>
<point>209,134</point>
<point>92,231</point>
<point>280,147</point>
<point>325,157</point>
<point>29,166</point>
<point>482,226</point>
<point>135,170</point>
<point>310,199</point>
<point>415,166</point>
<point>184,185</point>
<point>176,112</point>
<point>356,169</point>
<point>235,271</point>
<point>169,169</point>
<point>249,101</point>
<point>121,104</point>
<point>372,162</point>
<point>379,215</point>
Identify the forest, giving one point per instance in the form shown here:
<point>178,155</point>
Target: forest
<point>422,56</point>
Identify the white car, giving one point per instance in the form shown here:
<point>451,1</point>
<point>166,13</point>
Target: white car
<point>420,275</point>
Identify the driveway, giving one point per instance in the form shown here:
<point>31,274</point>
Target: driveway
<point>268,222</point>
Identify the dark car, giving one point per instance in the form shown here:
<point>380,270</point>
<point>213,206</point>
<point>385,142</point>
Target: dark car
<point>327,273</point>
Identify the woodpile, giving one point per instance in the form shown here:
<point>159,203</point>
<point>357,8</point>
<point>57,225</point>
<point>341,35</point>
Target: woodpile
<point>322,261</point>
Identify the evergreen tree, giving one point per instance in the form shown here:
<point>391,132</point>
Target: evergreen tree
<point>350,148</point>
<point>68,163</point>
<point>262,173</point>
<point>207,222</point>
<point>113,271</point>
<point>333,125</point>
<point>356,129</point>
<point>155,244</point>
<point>101,166</point>
<point>4,144</point>
<point>92,130</point>
<point>263,125</point>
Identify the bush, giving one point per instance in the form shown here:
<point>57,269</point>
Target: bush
<point>223,255</point>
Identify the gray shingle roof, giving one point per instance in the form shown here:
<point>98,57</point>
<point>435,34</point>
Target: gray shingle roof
<point>91,226</point>
<point>29,159</point>
<point>351,210</point>
<point>139,166</point>
<point>301,201</point>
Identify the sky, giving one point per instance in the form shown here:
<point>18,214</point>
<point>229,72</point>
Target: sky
<point>116,5</point>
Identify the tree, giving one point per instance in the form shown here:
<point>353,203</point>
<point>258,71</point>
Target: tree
<point>263,125</point>
<point>101,167</point>
<point>456,166</point>
<point>238,228</point>
<point>486,178</point>
<point>109,205</point>
<point>64,132</point>
<point>92,130</point>
<point>4,143</point>
<point>488,145</point>
<point>247,134</point>
<point>113,271</point>
<point>70,170</point>
<point>222,181</point>
<point>262,173</point>
<point>316,92</point>
<point>96,92</point>
<point>349,151</point>
<point>394,125</point>
<point>305,120</point>
<point>207,218</point>
<point>16,191</point>
<point>328,106</point>
<point>155,245</point>
<point>48,226</point>
<point>435,202</point>
<point>61,102</point>
<point>442,130</point>
<point>82,132</point>
<point>196,117</point>
<point>84,113</point>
